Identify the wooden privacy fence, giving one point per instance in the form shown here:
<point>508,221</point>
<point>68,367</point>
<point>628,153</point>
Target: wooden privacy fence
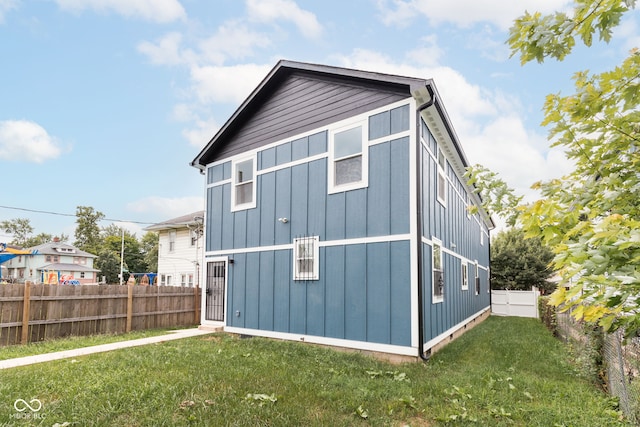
<point>31,313</point>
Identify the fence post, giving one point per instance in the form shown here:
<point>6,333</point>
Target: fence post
<point>129,307</point>
<point>196,302</point>
<point>25,313</point>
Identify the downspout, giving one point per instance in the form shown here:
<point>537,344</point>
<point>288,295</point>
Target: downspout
<point>419,172</point>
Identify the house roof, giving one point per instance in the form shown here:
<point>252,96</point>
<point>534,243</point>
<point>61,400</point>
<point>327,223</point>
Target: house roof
<point>60,248</point>
<point>282,70</point>
<point>62,266</point>
<point>183,221</point>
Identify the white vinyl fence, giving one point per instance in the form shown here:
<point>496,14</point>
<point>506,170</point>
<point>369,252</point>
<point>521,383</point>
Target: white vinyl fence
<point>515,303</point>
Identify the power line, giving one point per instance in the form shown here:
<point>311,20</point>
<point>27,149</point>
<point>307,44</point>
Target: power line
<point>71,215</point>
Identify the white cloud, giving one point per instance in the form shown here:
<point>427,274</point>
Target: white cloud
<point>165,207</point>
<point>161,11</point>
<point>23,140</point>
<point>201,130</point>
<point>6,6</point>
<point>230,84</point>
<point>167,51</point>
<point>232,40</point>
<point>428,54</point>
<point>505,146</point>
<point>463,13</point>
<point>285,10</point>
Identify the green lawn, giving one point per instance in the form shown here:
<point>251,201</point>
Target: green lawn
<point>504,372</point>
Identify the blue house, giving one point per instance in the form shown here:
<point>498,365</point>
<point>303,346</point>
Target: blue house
<point>336,213</point>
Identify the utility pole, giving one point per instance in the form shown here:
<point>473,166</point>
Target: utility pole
<point>122,258</point>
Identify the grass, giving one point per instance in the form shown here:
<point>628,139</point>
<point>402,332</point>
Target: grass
<point>69,343</point>
<point>504,372</point>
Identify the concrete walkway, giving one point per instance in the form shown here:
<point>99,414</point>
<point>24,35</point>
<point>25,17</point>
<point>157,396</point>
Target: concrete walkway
<point>173,335</point>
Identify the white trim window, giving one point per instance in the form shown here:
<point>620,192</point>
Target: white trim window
<point>437,284</point>
<point>243,185</point>
<point>305,258</point>
<point>465,276</point>
<point>172,241</point>
<point>441,180</point>
<point>477,279</point>
<point>348,158</point>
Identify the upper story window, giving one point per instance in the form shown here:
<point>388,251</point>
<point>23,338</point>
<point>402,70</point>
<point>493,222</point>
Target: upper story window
<point>243,192</point>
<point>52,258</point>
<point>348,158</point>
<point>172,240</point>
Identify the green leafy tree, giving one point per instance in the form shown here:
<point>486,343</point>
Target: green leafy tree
<point>518,263</point>
<point>87,230</point>
<point>133,255</point>
<point>19,228</point>
<point>149,243</point>
<point>108,262</point>
<point>590,218</point>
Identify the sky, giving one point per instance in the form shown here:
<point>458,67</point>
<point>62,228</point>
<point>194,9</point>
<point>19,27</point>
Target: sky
<point>104,103</point>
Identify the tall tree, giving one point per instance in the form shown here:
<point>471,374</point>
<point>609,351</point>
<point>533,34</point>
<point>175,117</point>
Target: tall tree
<point>133,256</point>
<point>87,230</point>
<point>19,228</point>
<point>518,263</point>
<point>108,262</point>
<point>590,217</point>
<point>149,243</point>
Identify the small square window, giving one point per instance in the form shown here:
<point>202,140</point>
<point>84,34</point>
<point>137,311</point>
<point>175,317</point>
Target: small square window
<point>305,258</point>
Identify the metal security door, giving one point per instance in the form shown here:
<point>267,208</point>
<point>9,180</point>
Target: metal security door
<point>216,273</point>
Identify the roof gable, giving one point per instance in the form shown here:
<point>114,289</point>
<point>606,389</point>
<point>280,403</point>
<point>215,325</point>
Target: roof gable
<point>297,97</point>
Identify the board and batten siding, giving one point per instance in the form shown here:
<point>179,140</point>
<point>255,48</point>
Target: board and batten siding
<point>364,287</point>
<point>303,102</point>
<point>362,299</point>
<point>460,236</point>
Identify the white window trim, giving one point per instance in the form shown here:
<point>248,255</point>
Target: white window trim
<point>251,204</point>
<point>477,283</point>
<point>436,298</point>
<point>442,197</point>
<point>173,236</point>
<point>364,182</point>
<point>299,276</point>
<point>465,275</point>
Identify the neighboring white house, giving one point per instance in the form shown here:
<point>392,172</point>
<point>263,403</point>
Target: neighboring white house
<point>179,250</point>
<point>54,263</point>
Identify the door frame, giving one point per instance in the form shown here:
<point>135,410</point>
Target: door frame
<point>203,303</point>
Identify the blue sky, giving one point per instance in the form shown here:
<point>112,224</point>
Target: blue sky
<point>104,103</point>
